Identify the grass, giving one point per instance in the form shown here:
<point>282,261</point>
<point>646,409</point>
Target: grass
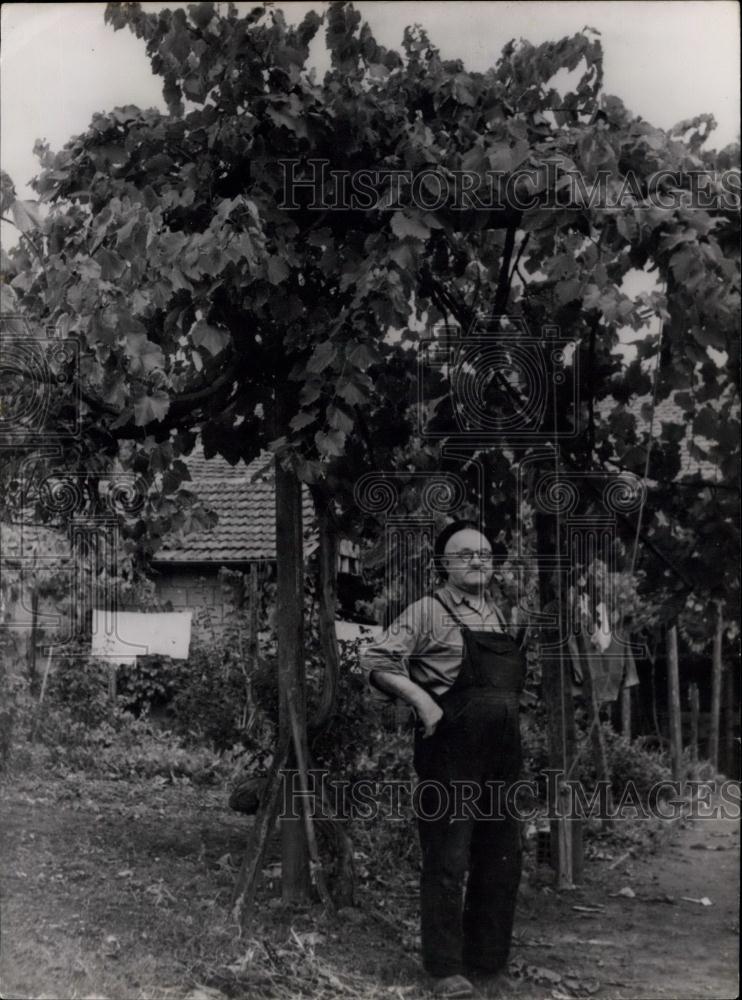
<point>120,889</point>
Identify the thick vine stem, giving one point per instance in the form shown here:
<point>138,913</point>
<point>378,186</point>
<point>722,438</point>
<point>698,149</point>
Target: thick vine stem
<point>327,608</point>
<point>243,897</point>
<point>307,810</point>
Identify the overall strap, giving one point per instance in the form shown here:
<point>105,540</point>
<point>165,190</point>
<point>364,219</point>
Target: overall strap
<point>451,612</point>
<point>498,614</point>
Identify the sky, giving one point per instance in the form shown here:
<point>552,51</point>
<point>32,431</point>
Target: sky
<point>59,62</point>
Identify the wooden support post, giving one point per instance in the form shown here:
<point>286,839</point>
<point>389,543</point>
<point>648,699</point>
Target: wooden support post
<point>600,754</point>
<point>295,883</point>
<point>45,678</point>
<point>327,605</point>
<point>694,713</point>
<point>716,672</point>
<point>673,702</point>
<point>730,715</point>
<point>249,663</point>
<point>253,644</point>
<point>44,682</point>
<point>33,636</point>
<point>270,800</point>
<point>565,831</point>
<point>112,675</point>
<point>626,711</point>
<point>308,807</point>
<point>557,691</point>
<point>556,686</point>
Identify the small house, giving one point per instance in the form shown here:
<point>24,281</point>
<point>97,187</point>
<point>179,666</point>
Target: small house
<point>186,568</point>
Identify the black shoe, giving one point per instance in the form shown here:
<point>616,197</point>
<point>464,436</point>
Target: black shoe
<point>452,988</point>
<point>490,979</point>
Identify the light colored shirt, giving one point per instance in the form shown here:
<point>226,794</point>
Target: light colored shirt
<point>425,642</point>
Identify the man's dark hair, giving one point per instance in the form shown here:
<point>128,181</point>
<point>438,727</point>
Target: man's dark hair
<point>448,532</point>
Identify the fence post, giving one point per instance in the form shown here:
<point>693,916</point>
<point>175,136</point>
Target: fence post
<point>694,711</point>
<point>716,671</point>
<point>626,711</point>
<point>673,702</point>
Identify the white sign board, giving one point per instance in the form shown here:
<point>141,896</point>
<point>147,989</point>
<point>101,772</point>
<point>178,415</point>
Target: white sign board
<point>123,635</point>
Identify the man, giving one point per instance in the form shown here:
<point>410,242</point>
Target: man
<point>449,657</point>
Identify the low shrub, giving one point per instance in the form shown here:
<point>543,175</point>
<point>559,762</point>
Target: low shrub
<point>125,747</point>
<point>209,697</point>
<point>535,745</point>
<point>16,713</point>
<point>148,683</point>
<point>629,763</point>
<point>78,686</point>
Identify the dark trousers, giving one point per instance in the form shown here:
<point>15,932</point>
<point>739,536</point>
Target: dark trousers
<point>471,866</point>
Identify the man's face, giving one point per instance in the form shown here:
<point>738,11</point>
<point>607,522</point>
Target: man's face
<point>467,559</point>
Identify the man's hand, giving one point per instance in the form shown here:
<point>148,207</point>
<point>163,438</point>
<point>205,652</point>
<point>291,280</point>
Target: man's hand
<point>427,709</point>
<point>430,715</point>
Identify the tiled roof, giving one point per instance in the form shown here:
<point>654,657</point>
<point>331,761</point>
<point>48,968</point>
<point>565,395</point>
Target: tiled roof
<point>243,497</point>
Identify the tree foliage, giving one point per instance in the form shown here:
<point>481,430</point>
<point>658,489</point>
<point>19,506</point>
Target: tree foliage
<point>209,295</point>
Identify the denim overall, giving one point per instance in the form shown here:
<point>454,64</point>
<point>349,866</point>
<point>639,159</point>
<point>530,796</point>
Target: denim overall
<point>476,741</point>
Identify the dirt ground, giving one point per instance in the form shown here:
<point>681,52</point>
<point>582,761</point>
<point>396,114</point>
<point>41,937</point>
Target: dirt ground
<point>120,890</point>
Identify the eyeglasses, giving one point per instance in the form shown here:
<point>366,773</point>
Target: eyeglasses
<point>466,555</point>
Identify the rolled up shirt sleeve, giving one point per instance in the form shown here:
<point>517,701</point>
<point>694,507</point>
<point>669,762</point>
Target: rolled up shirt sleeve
<point>392,651</point>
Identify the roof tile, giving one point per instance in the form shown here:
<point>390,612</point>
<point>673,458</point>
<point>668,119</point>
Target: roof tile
<point>243,497</point>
